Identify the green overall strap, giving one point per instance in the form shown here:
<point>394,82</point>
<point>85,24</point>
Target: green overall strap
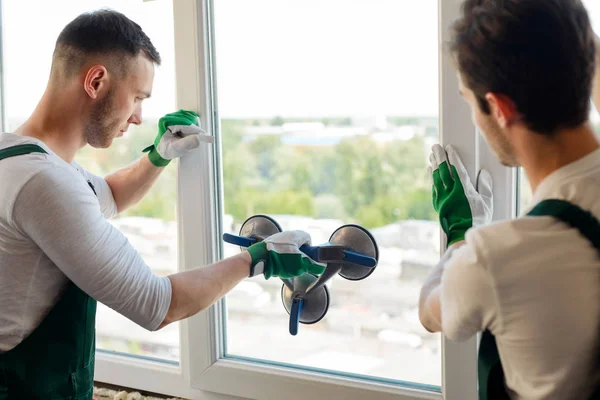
<point>490,372</point>
<point>20,150</point>
<point>56,361</point>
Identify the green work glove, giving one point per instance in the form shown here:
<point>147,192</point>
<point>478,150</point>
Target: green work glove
<point>280,255</point>
<point>460,206</point>
<point>178,133</point>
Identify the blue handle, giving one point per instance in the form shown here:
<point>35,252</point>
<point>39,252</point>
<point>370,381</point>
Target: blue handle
<point>238,240</point>
<point>349,256</point>
<point>311,251</point>
<point>295,315</point>
<point>356,258</point>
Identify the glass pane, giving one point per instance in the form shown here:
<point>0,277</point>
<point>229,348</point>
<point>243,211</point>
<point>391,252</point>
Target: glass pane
<point>328,111</point>
<point>151,225</point>
<point>593,8</point>
<point>524,199</point>
<point>524,193</point>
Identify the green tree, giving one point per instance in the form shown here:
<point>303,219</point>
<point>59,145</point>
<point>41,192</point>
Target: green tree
<point>358,180</point>
<point>358,173</point>
<point>251,201</point>
<point>277,121</point>
<point>419,205</point>
<point>371,216</point>
<point>380,184</point>
<point>265,150</point>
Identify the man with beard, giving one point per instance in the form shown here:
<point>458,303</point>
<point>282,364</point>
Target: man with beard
<point>532,284</point>
<point>58,253</point>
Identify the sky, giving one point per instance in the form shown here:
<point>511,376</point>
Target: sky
<point>339,57</point>
<point>30,29</point>
<point>311,58</point>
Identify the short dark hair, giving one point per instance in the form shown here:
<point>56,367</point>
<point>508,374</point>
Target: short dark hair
<point>539,53</point>
<point>102,31</point>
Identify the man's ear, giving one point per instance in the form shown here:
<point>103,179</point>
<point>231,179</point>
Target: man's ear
<point>95,81</point>
<point>502,108</point>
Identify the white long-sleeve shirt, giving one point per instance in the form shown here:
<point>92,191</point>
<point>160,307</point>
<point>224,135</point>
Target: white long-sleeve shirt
<point>534,282</point>
<point>54,229</point>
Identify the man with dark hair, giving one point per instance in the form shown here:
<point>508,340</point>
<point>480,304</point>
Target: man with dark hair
<point>58,253</point>
<point>532,284</point>
<point>106,32</point>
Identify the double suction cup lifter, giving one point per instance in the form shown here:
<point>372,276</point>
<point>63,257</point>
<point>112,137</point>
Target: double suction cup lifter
<point>351,252</point>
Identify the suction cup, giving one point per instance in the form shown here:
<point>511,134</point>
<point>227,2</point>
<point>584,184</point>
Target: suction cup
<point>259,227</point>
<point>314,305</point>
<point>358,239</point>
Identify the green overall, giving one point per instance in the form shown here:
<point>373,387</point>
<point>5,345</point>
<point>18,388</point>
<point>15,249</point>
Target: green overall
<point>490,373</point>
<point>56,361</point>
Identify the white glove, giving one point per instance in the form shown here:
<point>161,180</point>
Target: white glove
<point>181,139</point>
<point>280,255</point>
<point>460,205</point>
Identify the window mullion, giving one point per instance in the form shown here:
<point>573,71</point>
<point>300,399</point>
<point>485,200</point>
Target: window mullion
<point>459,375</point>
<point>197,212</point>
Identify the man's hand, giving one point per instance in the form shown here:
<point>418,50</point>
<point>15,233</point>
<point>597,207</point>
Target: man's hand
<point>459,205</point>
<point>280,255</point>
<point>178,133</point>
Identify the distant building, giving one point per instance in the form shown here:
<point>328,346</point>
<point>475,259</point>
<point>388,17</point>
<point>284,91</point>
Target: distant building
<point>316,133</point>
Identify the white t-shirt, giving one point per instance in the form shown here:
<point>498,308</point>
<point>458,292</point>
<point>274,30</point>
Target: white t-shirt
<point>53,229</point>
<point>534,282</point>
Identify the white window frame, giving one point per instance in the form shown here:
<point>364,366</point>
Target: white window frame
<point>202,372</point>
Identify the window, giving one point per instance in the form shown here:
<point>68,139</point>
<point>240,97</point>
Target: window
<point>309,98</point>
<point>325,124</point>
<point>151,226</point>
